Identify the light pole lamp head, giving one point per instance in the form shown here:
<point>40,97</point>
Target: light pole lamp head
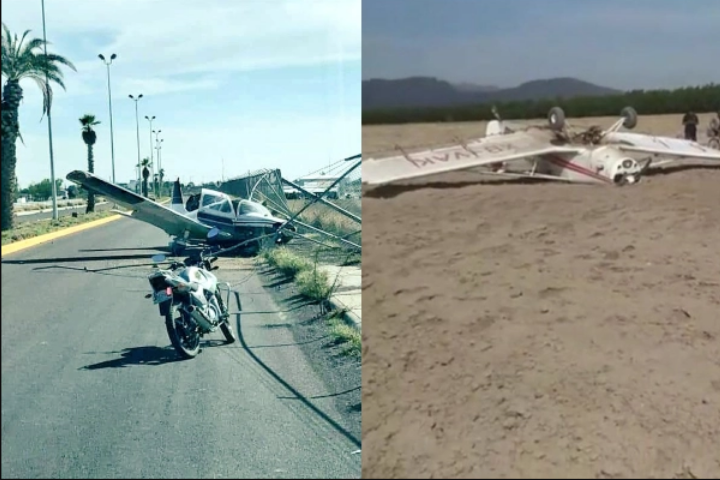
<point>102,57</point>
<point>140,96</point>
<point>131,97</point>
<point>113,57</point>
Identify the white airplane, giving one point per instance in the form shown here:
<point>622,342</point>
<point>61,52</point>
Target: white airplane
<point>189,221</point>
<point>552,152</point>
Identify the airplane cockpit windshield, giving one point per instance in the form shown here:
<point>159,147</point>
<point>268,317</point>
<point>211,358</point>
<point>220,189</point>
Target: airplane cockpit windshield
<point>216,203</point>
<point>210,198</point>
<point>249,208</point>
<point>223,206</point>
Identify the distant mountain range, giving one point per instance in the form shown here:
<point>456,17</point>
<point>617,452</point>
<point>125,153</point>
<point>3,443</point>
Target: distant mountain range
<point>431,92</point>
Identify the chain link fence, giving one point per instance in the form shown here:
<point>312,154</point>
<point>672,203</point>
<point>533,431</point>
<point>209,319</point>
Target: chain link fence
<point>324,206</point>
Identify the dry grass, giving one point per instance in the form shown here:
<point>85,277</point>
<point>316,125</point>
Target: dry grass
<point>312,282</point>
<point>380,140</point>
<point>325,218</point>
<point>344,333</point>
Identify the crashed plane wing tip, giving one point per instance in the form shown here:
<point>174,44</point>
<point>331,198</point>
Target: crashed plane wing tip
<point>76,175</point>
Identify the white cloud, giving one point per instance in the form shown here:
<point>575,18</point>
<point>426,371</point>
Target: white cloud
<point>190,36</point>
<point>156,86</point>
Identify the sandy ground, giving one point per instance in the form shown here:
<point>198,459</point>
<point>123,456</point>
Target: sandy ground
<point>541,330</point>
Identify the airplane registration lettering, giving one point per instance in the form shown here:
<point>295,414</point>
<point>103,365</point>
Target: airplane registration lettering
<point>457,155</point>
<point>497,147</point>
<point>419,162</point>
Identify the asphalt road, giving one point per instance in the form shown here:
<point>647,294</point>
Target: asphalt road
<point>61,213</point>
<point>92,389</point>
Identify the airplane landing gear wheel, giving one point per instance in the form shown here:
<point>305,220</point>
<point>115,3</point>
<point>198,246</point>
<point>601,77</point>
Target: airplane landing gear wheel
<point>630,117</point>
<point>556,118</point>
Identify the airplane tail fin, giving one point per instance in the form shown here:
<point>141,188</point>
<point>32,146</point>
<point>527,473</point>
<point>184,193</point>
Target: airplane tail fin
<point>494,127</point>
<point>177,203</point>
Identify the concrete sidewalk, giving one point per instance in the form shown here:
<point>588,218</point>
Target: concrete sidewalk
<point>348,292</point>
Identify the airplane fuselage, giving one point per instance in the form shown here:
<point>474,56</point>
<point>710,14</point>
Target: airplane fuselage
<point>601,165</point>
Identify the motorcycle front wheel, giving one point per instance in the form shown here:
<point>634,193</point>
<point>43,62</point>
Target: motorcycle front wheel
<point>226,327</point>
<point>228,331</point>
<point>183,333</point>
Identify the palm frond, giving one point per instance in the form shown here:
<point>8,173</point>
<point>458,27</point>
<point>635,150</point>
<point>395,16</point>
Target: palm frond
<point>47,92</point>
<point>54,58</point>
<point>30,46</point>
<point>7,36</point>
<point>24,58</point>
<point>88,121</point>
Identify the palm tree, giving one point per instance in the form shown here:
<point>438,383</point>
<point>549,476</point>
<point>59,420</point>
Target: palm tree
<point>21,60</point>
<point>89,137</point>
<point>147,165</point>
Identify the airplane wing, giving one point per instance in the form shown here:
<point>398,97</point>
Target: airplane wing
<point>483,152</point>
<point>661,146</point>
<point>143,209</point>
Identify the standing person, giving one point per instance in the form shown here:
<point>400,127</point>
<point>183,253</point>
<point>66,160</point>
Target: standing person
<point>690,122</point>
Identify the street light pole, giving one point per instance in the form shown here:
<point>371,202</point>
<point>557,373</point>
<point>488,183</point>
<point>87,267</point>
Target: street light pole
<point>52,162</point>
<point>137,128</point>
<point>159,158</point>
<point>150,119</point>
<point>112,135</point>
<point>158,147</point>
<point>157,132</point>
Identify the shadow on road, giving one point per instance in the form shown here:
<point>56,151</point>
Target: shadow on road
<point>77,259</point>
<point>296,395</point>
<point>128,249</point>
<point>138,356</point>
<point>152,356</point>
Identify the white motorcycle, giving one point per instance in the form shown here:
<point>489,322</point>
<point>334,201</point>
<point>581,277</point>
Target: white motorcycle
<point>190,300</point>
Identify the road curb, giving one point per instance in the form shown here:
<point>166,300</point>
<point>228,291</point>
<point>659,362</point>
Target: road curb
<point>31,242</point>
<point>350,318</point>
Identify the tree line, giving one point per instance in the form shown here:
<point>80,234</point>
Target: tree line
<point>40,191</point>
<point>699,99</point>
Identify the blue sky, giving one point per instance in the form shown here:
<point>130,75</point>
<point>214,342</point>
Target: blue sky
<point>622,44</point>
<point>258,84</point>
